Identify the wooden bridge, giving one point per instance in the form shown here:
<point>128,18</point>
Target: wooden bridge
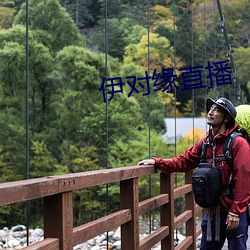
<point>56,192</point>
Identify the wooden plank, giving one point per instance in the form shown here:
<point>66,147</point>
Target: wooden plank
<point>178,192</point>
<point>90,230</point>
<point>190,205</point>
<point>46,244</point>
<point>185,244</point>
<point>167,210</point>
<point>198,208</point>
<point>58,219</point>
<point>129,195</point>
<point>98,177</point>
<point>198,231</point>
<point>182,218</point>
<point>152,203</point>
<point>24,190</point>
<point>154,238</point>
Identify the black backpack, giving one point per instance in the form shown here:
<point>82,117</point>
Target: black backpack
<point>206,179</point>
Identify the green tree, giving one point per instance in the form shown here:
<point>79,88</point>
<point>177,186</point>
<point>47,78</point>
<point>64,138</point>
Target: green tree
<point>241,56</point>
<point>53,25</point>
<point>6,17</point>
<point>84,13</point>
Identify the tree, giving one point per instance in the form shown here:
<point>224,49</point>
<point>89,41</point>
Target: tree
<point>157,105</point>
<point>6,17</point>
<point>84,13</point>
<point>160,52</point>
<point>161,16</point>
<point>242,64</point>
<point>53,25</point>
<point>40,60</point>
<point>117,34</point>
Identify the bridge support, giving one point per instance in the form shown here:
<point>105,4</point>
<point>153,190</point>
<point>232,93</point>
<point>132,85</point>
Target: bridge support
<point>130,199</point>
<point>167,210</point>
<point>190,205</point>
<point>58,219</point>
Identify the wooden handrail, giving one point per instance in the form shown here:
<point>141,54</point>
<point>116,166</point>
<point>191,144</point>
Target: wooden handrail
<point>58,208</point>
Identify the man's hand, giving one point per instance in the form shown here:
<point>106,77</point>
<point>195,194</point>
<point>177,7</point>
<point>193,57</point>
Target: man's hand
<point>146,162</point>
<point>232,221</point>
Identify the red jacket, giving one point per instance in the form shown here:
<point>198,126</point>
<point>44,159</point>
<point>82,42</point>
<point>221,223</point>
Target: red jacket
<point>241,167</point>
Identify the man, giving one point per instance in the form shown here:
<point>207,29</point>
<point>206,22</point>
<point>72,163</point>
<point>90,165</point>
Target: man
<point>221,115</point>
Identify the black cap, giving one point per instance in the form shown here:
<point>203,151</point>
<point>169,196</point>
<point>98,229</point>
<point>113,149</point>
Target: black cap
<point>223,103</point>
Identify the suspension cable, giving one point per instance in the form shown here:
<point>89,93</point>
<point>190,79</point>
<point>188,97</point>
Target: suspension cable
<point>149,120</point>
<point>27,207</point>
<point>175,108</point>
<point>229,53</point>
<point>205,43</point>
<point>192,34</point>
<point>106,75</point>
<point>215,42</point>
<point>174,70</point>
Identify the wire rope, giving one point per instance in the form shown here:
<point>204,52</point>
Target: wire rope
<point>174,70</point>
<point>192,51</point>
<point>215,42</point>
<point>205,47</point>
<point>205,43</point>
<point>229,54</point>
<point>149,120</point>
<point>106,108</point>
<point>27,207</point>
<point>175,95</point>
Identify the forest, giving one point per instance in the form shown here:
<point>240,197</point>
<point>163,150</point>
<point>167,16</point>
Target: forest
<point>52,70</point>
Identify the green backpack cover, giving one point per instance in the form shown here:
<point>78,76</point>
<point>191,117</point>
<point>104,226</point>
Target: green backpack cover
<point>243,118</point>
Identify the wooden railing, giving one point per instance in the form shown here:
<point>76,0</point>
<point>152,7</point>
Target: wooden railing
<point>59,232</point>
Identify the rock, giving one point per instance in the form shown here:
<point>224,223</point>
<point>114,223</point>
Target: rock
<point>111,239</point>
<point>103,243</point>
<point>16,238</point>
<point>111,233</point>
<point>95,248</point>
<point>117,234</point>
<point>18,247</point>
<point>13,243</point>
<point>117,244</point>
<point>91,242</point>
<point>81,246</point>
<point>18,228</point>
<point>100,238</point>
<point>38,232</point>
<point>3,233</point>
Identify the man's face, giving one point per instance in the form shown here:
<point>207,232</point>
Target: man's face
<point>215,116</point>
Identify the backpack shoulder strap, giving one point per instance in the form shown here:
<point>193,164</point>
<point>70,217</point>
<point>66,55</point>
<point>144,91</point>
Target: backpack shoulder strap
<point>227,148</point>
<point>203,152</point>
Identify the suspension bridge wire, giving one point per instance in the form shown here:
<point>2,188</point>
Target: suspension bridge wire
<point>215,43</point>
<point>236,82</point>
<point>149,120</point>
<point>192,54</point>
<point>175,108</point>
<point>174,70</point>
<point>107,111</point>
<point>27,204</point>
<point>205,48</point>
<point>205,43</point>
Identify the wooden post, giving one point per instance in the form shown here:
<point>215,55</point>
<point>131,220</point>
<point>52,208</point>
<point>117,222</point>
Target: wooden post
<point>167,210</point>
<point>190,205</point>
<point>58,219</point>
<point>129,198</point>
